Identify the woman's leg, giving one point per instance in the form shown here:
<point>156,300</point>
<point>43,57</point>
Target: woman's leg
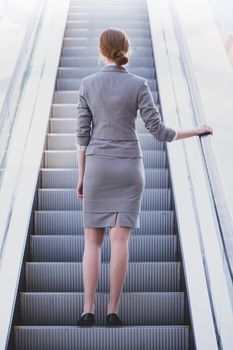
<point>91,262</point>
<point>119,237</point>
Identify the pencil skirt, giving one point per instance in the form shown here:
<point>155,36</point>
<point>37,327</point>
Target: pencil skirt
<point>112,185</point>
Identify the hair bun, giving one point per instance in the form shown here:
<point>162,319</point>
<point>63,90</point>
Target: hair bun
<point>119,53</point>
<point>120,57</point>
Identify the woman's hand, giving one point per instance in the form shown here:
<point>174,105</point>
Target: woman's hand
<point>79,189</point>
<point>204,130</point>
<point>198,131</point>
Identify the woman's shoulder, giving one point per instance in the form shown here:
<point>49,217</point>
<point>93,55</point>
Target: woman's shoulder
<point>138,78</point>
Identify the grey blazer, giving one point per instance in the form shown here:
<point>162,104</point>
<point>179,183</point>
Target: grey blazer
<point>107,108</point>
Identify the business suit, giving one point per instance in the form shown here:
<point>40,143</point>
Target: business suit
<point>114,176</point>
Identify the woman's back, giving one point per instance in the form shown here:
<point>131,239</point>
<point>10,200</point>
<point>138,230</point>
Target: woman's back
<point>107,110</point>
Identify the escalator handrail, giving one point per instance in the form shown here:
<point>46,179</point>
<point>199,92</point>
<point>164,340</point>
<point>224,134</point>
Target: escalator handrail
<point>220,204</point>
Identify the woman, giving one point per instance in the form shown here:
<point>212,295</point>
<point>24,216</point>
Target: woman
<point>110,164</point>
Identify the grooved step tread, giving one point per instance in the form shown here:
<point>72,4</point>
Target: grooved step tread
<point>68,141</point>
<point>67,178</point>
<point>68,159</point>
<point>71,222</point>
<point>74,83</point>
<point>66,199</point>
<point>141,337</point>
<point>142,248</point>
<point>67,277</point>
<point>150,308</point>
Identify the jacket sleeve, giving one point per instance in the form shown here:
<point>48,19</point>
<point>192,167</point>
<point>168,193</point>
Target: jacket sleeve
<point>84,120</point>
<point>151,115</point>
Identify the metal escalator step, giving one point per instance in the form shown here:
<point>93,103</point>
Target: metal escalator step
<point>67,178</point>
<point>67,277</point>
<point>85,51</point>
<point>67,142</point>
<point>69,100</point>
<point>142,248</point>
<point>71,222</point>
<point>74,84</point>
<point>68,97</point>
<point>71,72</point>
<point>66,199</point>
<point>102,24</point>
<point>70,41</point>
<point>135,35</point>
<point>107,8</point>
<point>102,338</point>
<point>142,62</point>
<point>71,97</point>
<point>68,126</point>
<point>68,159</point>
<point>140,3</point>
<point>102,16</point>
<point>151,308</point>
<point>106,2</point>
<point>67,111</point>
<point>62,125</point>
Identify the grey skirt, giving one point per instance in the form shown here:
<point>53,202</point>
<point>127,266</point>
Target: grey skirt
<point>112,185</point>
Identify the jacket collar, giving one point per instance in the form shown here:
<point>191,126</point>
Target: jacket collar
<point>114,68</point>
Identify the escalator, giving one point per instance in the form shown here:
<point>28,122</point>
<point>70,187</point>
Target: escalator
<point>153,306</point>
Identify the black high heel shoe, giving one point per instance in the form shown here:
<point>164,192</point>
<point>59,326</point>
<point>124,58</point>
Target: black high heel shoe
<point>86,319</point>
<point>113,319</point>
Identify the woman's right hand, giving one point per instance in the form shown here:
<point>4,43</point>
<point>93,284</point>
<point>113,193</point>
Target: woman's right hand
<point>204,130</point>
<point>79,189</point>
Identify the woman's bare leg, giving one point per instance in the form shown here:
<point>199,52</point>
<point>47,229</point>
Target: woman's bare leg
<point>91,263</point>
<point>119,237</point>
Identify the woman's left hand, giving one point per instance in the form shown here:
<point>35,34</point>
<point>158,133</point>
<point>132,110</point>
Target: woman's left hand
<point>79,189</point>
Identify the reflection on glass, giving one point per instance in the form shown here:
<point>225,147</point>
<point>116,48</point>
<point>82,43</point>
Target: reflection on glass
<point>223,15</point>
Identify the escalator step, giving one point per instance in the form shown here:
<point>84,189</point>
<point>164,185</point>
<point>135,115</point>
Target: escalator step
<point>151,308</point>
<point>67,277</point>
<point>67,125</point>
<point>106,8</point>
<point>71,223</point>
<point>74,84</point>
<point>73,72</point>
<point>91,16</point>
<point>67,178</point>
<point>67,159</point>
<point>66,199</point>
<point>72,96</point>
<point>140,62</point>
<point>65,111</point>
<point>102,338</point>
<point>67,142</point>
<point>142,248</point>
<point>103,24</point>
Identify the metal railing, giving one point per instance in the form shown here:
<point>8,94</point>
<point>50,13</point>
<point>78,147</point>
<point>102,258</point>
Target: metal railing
<point>212,171</point>
<point>220,206</point>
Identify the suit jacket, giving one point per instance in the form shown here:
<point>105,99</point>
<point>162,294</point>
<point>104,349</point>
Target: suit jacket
<point>107,109</point>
